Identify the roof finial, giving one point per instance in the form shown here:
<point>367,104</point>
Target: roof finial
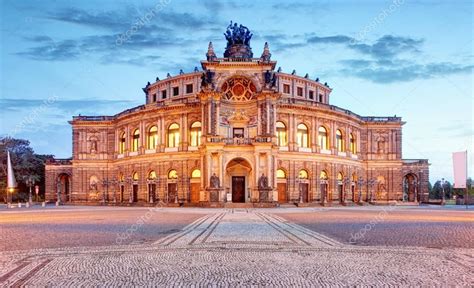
<point>266,55</point>
<point>210,52</point>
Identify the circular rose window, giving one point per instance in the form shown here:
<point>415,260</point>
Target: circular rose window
<point>238,89</point>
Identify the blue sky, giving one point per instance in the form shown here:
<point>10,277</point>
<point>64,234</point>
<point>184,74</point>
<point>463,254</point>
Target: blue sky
<point>407,58</point>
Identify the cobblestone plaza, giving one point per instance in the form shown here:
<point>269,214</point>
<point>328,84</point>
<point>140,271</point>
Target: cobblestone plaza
<point>236,247</point>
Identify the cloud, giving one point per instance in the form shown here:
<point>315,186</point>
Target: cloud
<point>399,71</point>
<point>389,46</point>
<point>87,105</point>
<point>338,39</point>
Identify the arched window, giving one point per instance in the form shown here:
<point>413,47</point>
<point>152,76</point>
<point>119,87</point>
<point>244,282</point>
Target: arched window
<point>281,174</point>
<point>281,134</point>
<point>352,143</point>
<point>340,176</point>
<point>339,141</point>
<point>152,140</point>
<point>196,173</point>
<point>302,136</point>
<point>152,175</point>
<point>303,174</point>
<point>172,174</point>
<point>135,140</point>
<point>122,140</point>
<point>323,138</point>
<point>323,175</point>
<point>173,135</point>
<point>135,176</point>
<point>195,134</point>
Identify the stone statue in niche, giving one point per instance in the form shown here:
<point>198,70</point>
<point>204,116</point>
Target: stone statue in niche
<point>380,145</point>
<point>263,182</point>
<point>215,182</point>
<point>93,145</point>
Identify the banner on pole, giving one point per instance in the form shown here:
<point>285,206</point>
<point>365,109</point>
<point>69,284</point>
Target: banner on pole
<point>460,169</point>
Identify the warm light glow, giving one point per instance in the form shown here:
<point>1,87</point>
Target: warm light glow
<point>122,143</point>
<point>281,134</point>
<point>196,173</point>
<point>352,143</point>
<point>152,137</point>
<point>135,176</point>
<point>323,138</point>
<point>302,136</point>
<point>173,135</point>
<point>152,175</point>
<point>195,134</point>
<point>135,140</point>
<point>173,174</point>
<point>281,174</point>
<point>323,175</point>
<point>339,141</point>
<point>303,174</point>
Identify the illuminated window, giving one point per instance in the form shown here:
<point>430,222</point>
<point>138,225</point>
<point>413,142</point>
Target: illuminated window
<point>303,174</point>
<point>196,173</point>
<point>302,136</point>
<point>195,134</point>
<point>353,144</point>
<point>135,140</point>
<point>281,174</point>
<point>152,175</point>
<point>173,174</point>
<point>122,140</point>
<point>173,135</point>
<point>339,141</point>
<point>323,138</point>
<point>281,134</point>
<point>135,176</point>
<point>323,175</point>
<point>152,140</point>
<point>340,176</point>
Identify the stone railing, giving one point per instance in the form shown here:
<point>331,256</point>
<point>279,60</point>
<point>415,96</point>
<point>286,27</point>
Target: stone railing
<point>58,161</point>
<point>239,141</point>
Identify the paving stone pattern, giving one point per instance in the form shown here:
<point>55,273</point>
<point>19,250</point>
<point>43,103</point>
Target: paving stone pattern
<point>238,247</point>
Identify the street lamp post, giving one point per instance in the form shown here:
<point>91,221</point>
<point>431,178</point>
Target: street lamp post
<point>30,182</point>
<point>345,182</point>
<point>130,182</point>
<point>371,183</point>
<point>360,183</point>
<point>105,185</point>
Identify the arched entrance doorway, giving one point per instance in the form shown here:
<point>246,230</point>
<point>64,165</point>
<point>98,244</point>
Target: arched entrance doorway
<point>238,172</point>
<point>63,188</point>
<point>409,187</point>
<point>281,186</point>
<point>195,186</point>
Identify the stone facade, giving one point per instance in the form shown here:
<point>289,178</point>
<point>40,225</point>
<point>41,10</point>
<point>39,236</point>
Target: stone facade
<point>238,119</point>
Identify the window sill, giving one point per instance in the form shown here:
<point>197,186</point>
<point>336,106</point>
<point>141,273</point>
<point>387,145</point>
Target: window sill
<point>171,149</point>
<point>324,151</point>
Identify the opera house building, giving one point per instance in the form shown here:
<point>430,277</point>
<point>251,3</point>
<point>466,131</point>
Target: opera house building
<point>238,130</point>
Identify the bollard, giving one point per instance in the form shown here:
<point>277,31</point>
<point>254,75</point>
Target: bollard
<point>19,204</point>
<point>57,203</point>
<point>43,204</point>
<point>27,205</point>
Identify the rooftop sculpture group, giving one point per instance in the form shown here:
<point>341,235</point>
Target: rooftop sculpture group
<point>237,34</point>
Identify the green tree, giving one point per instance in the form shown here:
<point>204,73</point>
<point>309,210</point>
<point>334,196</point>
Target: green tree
<point>437,190</point>
<point>25,164</point>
